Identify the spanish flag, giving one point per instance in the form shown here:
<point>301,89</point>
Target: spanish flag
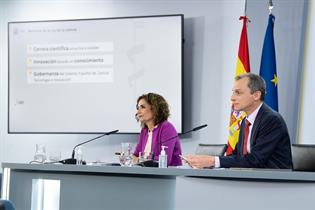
<point>242,67</point>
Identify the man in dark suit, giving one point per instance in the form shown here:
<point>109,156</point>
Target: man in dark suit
<point>264,141</point>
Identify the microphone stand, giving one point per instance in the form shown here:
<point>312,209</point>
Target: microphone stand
<point>72,160</point>
<point>154,163</point>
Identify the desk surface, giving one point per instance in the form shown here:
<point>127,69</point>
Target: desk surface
<point>233,173</point>
<point>175,188</point>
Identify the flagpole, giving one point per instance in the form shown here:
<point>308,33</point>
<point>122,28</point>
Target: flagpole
<point>245,11</point>
<point>270,7</point>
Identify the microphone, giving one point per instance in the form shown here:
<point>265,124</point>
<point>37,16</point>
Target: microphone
<point>72,160</point>
<point>194,129</point>
<point>154,163</point>
<point>197,128</point>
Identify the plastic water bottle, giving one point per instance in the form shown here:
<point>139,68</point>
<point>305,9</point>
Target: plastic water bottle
<point>163,158</point>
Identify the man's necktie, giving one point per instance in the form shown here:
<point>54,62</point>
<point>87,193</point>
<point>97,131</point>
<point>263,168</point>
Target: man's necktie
<point>245,137</point>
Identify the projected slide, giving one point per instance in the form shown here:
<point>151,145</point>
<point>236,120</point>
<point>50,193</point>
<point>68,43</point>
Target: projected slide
<point>84,76</point>
<point>56,63</point>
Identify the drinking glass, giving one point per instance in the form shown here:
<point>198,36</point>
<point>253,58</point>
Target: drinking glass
<point>54,156</point>
<point>125,157</point>
<point>79,155</point>
<point>40,153</point>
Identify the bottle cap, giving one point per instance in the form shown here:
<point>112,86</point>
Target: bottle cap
<point>163,150</point>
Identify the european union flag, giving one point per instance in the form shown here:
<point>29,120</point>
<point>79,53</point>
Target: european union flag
<point>268,69</point>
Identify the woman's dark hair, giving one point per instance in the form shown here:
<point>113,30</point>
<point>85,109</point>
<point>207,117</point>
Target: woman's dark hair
<point>159,106</point>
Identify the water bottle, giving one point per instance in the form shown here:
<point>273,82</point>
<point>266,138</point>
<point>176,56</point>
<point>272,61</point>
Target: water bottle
<point>163,158</point>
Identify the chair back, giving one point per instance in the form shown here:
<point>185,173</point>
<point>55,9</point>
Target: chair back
<point>211,149</point>
<point>303,157</point>
<point>6,205</point>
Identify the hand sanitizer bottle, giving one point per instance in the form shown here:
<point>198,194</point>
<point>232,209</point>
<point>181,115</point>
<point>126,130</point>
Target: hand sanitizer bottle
<point>163,158</point>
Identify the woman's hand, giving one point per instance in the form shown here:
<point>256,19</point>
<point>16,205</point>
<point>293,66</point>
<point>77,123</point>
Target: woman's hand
<point>135,159</point>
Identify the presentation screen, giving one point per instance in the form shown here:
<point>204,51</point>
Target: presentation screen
<point>84,76</point>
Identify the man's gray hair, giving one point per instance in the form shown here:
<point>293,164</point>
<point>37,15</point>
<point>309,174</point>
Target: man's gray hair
<point>256,83</point>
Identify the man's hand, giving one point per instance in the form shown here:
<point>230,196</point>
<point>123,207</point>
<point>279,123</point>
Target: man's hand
<point>200,161</point>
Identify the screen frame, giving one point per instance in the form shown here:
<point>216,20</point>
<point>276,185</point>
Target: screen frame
<point>10,131</point>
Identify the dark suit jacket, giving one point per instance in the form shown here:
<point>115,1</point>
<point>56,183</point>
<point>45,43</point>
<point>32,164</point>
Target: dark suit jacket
<point>269,141</point>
